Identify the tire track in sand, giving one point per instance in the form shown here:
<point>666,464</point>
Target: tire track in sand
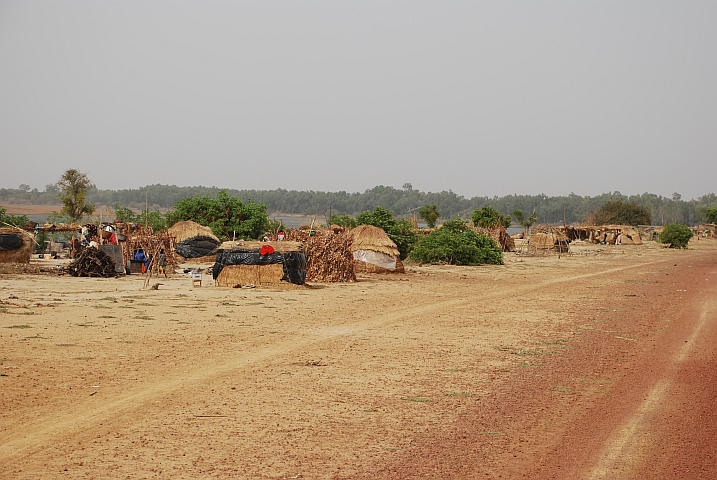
<point>624,447</point>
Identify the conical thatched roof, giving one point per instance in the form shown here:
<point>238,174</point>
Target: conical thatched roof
<point>368,237</point>
<point>188,229</point>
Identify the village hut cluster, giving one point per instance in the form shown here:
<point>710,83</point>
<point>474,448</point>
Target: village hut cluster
<point>549,239</point>
<point>294,257</point>
<point>603,234</point>
<point>333,254</point>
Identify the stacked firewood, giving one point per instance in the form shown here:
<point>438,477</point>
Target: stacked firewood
<point>92,262</point>
<point>328,255</point>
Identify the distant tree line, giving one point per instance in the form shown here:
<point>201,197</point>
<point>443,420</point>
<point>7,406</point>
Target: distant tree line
<point>570,208</point>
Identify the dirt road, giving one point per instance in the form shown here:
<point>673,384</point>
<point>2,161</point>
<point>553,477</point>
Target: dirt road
<point>592,366</point>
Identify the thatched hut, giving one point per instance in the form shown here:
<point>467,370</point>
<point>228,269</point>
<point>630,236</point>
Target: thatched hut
<point>248,263</point>
<point>194,241</point>
<point>548,240</point>
<point>374,251</point>
<point>501,237</point>
<point>16,245</point>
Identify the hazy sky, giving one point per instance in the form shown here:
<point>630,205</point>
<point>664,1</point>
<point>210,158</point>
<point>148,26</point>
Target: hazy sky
<point>482,98</point>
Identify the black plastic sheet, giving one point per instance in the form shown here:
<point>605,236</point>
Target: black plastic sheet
<point>10,241</point>
<point>196,247</point>
<point>294,263</point>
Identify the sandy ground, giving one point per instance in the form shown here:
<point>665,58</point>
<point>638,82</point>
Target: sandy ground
<point>598,365</point>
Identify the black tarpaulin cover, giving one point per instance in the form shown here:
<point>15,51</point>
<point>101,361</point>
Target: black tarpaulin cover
<point>294,263</point>
<point>10,241</point>
<point>196,247</point>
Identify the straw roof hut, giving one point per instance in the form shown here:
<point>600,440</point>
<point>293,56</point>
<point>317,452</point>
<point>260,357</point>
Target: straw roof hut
<point>194,241</point>
<point>374,251</point>
<point>501,237</point>
<point>548,240</point>
<point>187,229</point>
<point>15,245</point>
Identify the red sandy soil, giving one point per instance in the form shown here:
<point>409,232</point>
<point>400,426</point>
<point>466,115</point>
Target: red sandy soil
<point>599,365</point>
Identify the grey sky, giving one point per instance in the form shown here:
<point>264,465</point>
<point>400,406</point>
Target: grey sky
<point>483,98</point>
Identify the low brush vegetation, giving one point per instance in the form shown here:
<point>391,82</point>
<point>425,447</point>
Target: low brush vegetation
<point>455,243</point>
<point>676,235</point>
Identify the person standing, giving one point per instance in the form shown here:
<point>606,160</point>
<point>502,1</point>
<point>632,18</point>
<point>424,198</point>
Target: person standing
<point>141,257</point>
<point>76,247</point>
<point>162,262</point>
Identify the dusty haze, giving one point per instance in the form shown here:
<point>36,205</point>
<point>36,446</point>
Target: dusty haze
<point>484,98</point>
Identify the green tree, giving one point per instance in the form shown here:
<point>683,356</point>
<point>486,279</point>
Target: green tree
<point>710,215</point>
<point>342,221</point>
<point>74,186</point>
<point>677,235</point>
<point>429,214</point>
<point>225,215</point>
<point>488,217</point>
<point>621,213</point>
<point>456,244</point>
<point>400,231</point>
<point>525,222</point>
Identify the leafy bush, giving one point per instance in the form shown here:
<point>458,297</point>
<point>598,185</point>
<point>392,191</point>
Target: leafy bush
<point>676,235</point>
<point>456,244</point>
<point>488,217</point>
<point>13,220</point>
<point>400,231</point>
<point>620,213</point>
